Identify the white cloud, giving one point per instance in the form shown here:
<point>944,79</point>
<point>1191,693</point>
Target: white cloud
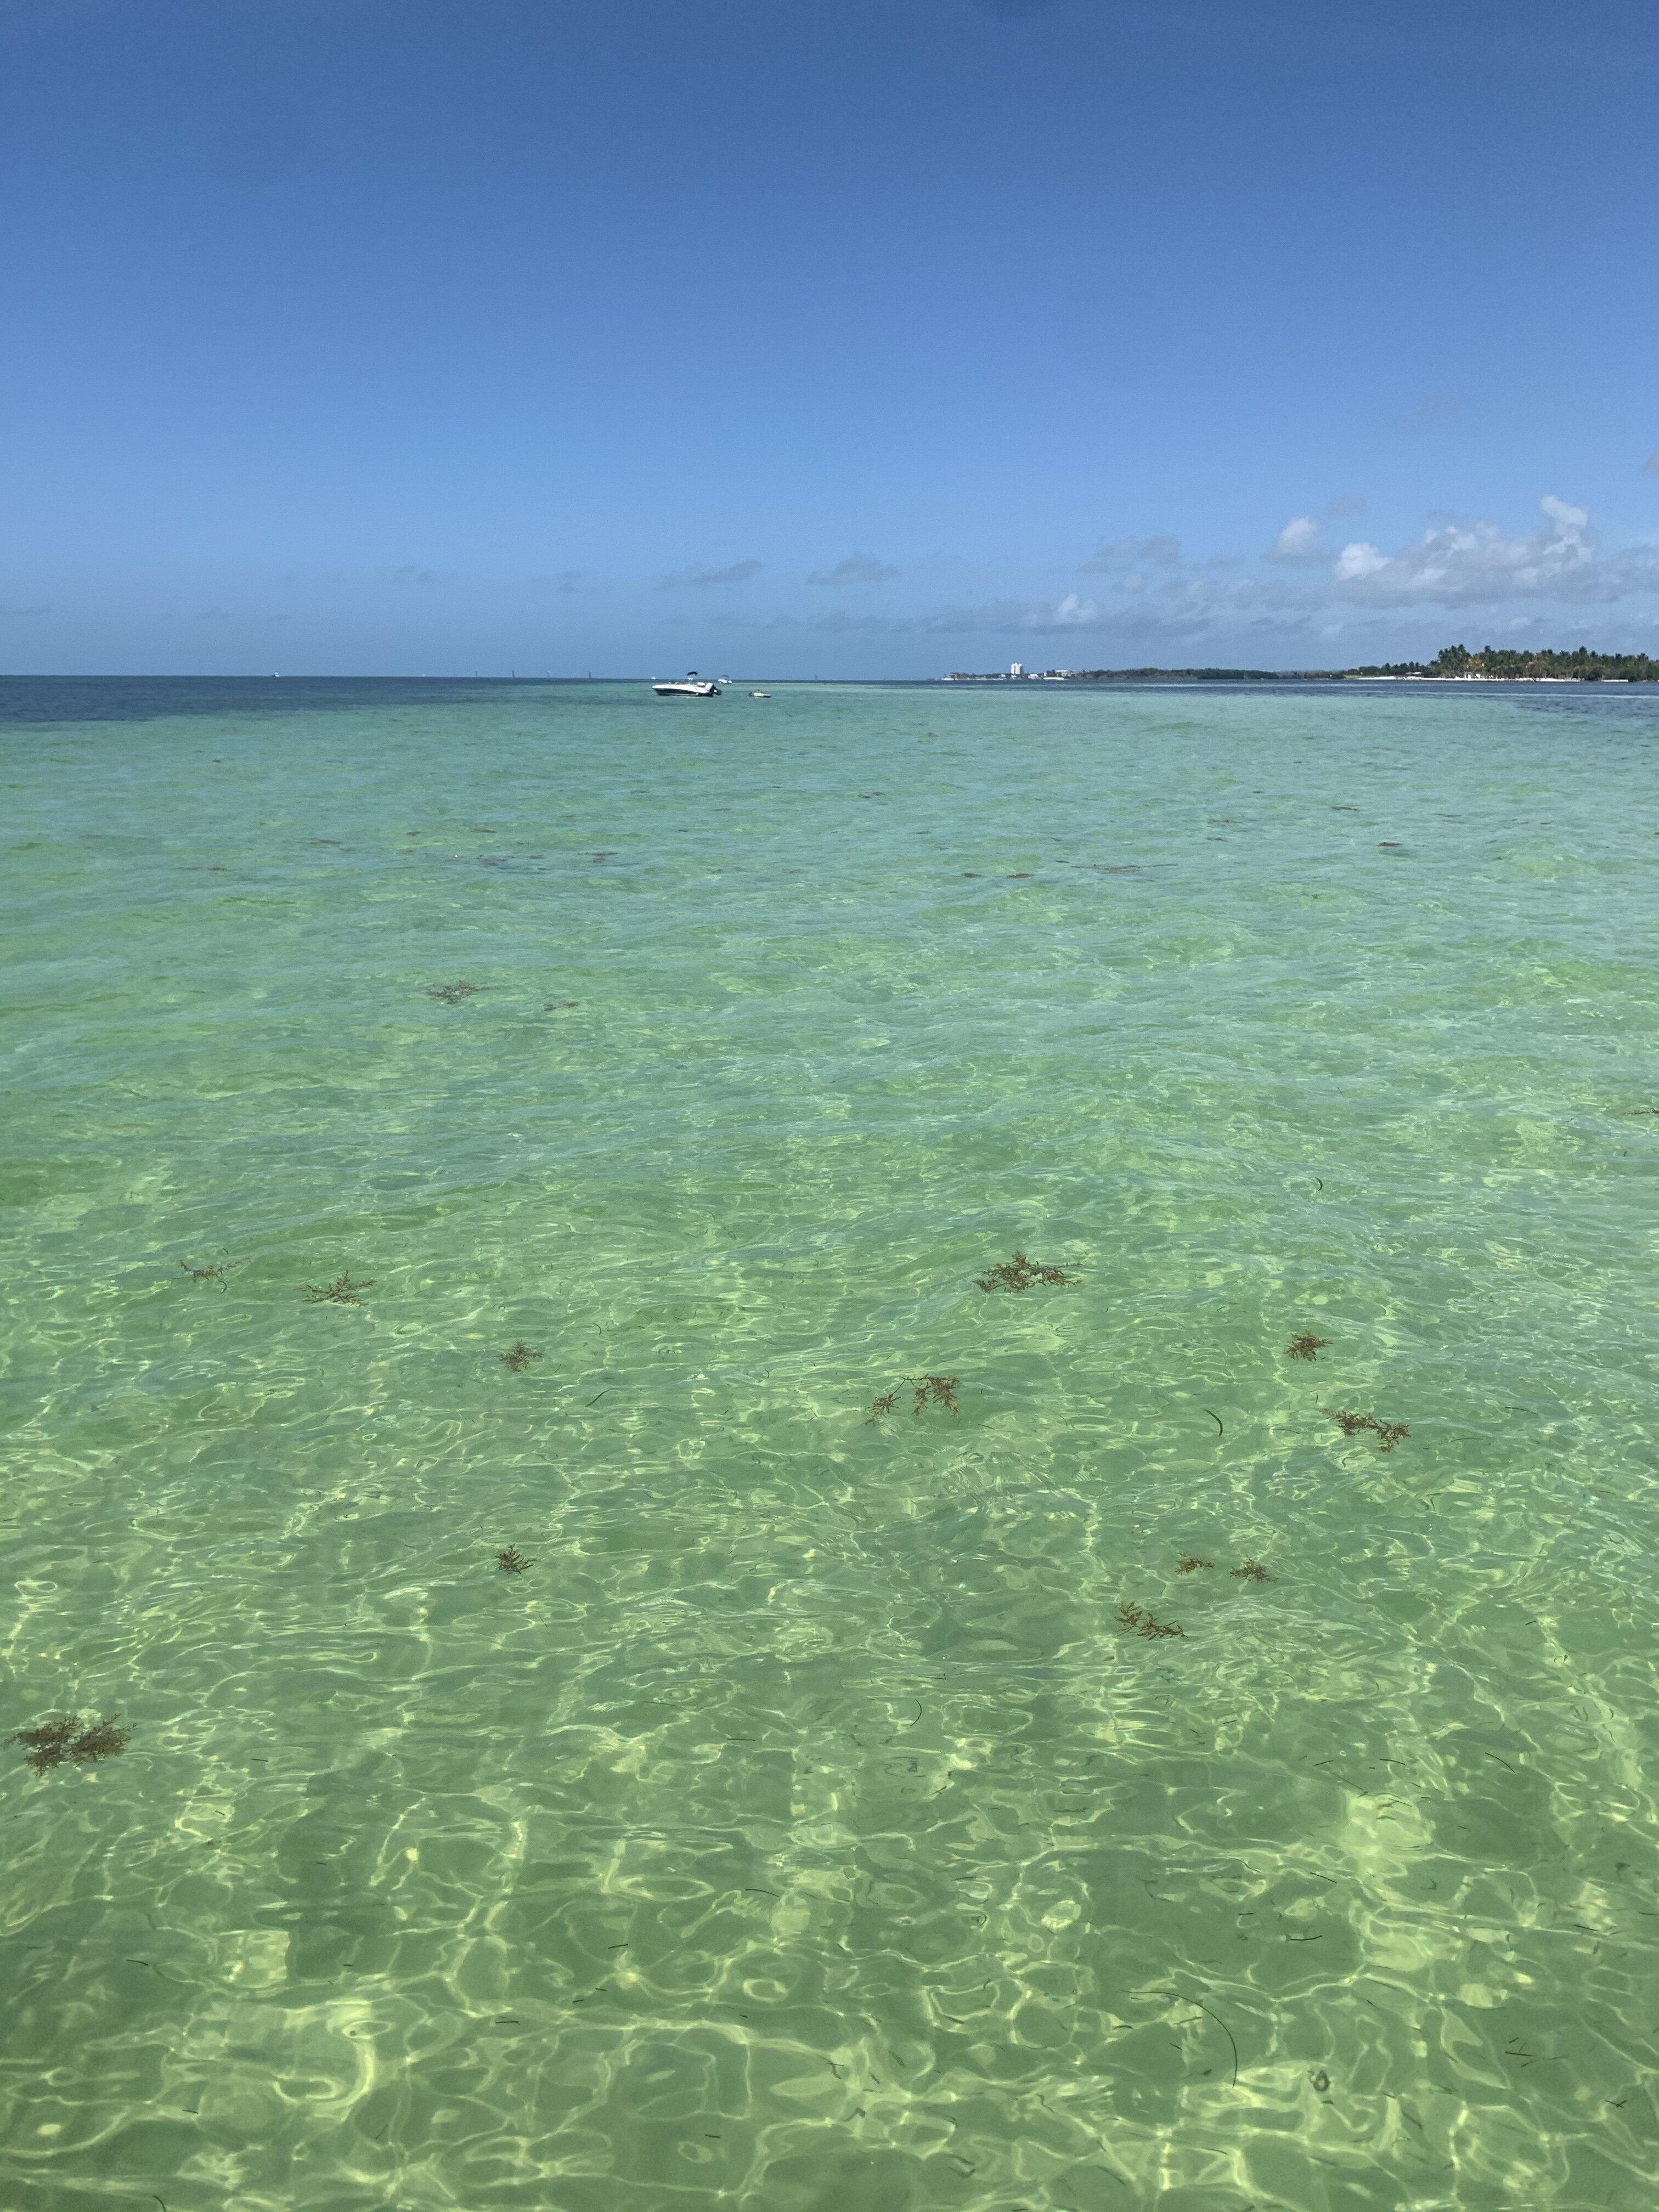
<point>1356,560</point>
<point>1475,564</point>
<point>1303,538</point>
<point>1650,466</point>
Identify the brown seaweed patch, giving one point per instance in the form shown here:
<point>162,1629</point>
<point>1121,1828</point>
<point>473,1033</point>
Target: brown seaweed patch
<point>1190,1565</point>
<point>926,1389</point>
<point>1019,1273</point>
<point>342,1291</point>
<point>511,1561</point>
<point>452,993</point>
<point>519,1359</point>
<point>57,1740</point>
<point>935,1390</point>
<point>1306,1347</point>
<point>1388,1433</point>
<point>1134,1616</point>
<point>1251,1571</point>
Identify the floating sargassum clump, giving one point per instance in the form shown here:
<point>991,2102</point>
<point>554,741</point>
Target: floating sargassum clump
<point>1306,1347</point>
<point>54,1742</point>
<point>1388,1433</point>
<point>1019,1273</point>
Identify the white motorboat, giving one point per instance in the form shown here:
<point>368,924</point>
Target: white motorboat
<point>689,686</point>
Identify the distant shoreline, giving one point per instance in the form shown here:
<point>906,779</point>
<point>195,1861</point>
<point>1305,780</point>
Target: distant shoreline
<point>1263,676</point>
<point>1453,663</point>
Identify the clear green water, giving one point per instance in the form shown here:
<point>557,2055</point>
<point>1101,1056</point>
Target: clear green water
<point>799,1832</point>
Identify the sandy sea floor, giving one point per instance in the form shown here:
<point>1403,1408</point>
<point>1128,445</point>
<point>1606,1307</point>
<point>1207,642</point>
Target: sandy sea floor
<point>801,1830</point>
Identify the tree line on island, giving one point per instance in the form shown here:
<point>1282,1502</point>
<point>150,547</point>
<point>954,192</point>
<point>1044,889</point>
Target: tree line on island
<point>1503,665</point>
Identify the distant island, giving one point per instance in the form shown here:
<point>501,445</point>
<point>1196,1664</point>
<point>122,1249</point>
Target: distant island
<point>1452,663</point>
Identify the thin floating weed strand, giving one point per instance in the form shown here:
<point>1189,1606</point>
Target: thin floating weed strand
<point>342,1291</point>
<point>927,1391</point>
<point>1135,1618</point>
<point>216,1274</point>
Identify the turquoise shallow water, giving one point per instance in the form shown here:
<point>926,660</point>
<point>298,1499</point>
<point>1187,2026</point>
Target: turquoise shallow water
<point>800,1831</point>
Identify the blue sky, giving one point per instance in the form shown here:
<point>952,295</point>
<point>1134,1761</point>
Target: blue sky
<point>382,336</point>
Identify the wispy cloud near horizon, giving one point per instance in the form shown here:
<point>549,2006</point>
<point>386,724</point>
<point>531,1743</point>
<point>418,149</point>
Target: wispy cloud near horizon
<point>1159,552</point>
<point>692,579</point>
<point>1182,610</point>
<point>1475,564</point>
<point>856,569</point>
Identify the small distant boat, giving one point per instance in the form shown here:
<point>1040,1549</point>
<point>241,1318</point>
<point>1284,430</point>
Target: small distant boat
<point>689,686</point>
<point>760,694</point>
